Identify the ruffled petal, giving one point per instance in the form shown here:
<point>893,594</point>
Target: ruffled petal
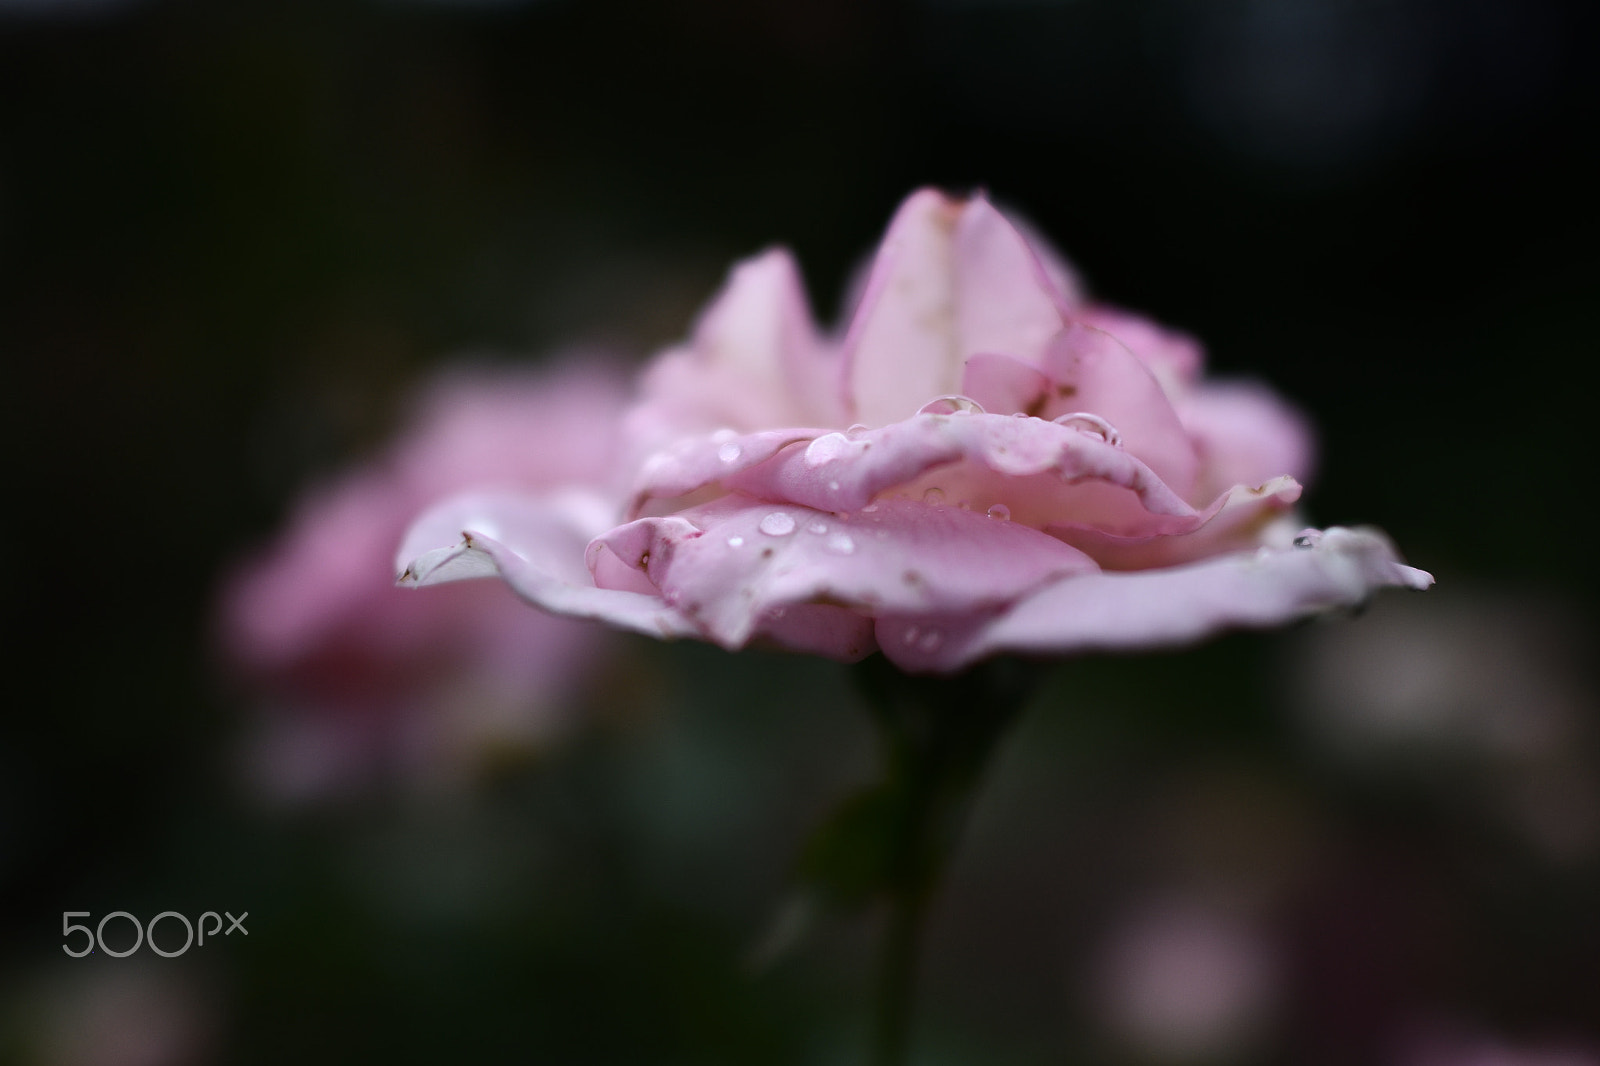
<point>1096,373</point>
<point>731,564</point>
<point>1154,608</point>
<point>1235,520</point>
<point>1244,434</point>
<point>695,462</point>
<point>1041,472</point>
<point>537,546</point>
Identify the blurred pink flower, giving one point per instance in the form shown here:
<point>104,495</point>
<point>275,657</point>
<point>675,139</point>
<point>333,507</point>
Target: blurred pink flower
<point>354,676</point>
<point>985,462</point>
<point>1185,980</point>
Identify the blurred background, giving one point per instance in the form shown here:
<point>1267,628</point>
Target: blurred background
<point>236,240</point>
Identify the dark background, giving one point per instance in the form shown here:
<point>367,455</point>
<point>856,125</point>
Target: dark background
<point>231,236</point>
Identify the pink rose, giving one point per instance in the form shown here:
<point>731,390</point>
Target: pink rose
<point>356,675</point>
<point>985,462</point>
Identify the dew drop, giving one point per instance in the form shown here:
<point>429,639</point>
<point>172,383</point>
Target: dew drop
<point>931,640</point>
<point>911,634</point>
<point>826,448</point>
<point>951,405</point>
<point>1088,423</point>
<point>778,612</point>
<point>934,496</point>
<point>1020,414</point>
<point>1001,512</point>
<point>817,527</point>
<point>841,544</point>
<point>1308,539</point>
<point>833,486</point>
<point>729,452</point>
<point>777,524</point>
<point>870,508</point>
<point>856,431</point>
<point>672,596</point>
<point>735,541</point>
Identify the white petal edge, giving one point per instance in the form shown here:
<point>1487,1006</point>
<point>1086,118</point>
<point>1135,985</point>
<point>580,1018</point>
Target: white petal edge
<point>1168,607</point>
<point>536,545</point>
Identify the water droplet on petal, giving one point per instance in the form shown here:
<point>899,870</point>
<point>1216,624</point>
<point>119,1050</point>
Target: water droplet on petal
<point>1089,423</point>
<point>856,431</point>
<point>1000,511</point>
<point>729,452</point>
<point>779,612</point>
<point>817,526</point>
<point>841,544</point>
<point>1020,414</point>
<point>672,596</point>
<point>777,524</point>
<point>654,465</point>
<point>931,640</point>
<point>1308,539</point>
<point>833,486</point>
<point>933,496</point>
<point>735,541</point>
<point>951,405</point>
<point>869,508</point>
<point>911,635</point>
<point>826,448</point>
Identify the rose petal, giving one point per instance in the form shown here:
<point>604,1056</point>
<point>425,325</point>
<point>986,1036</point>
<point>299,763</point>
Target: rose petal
<point>537,546</point>
<point>951,279</point>
<point>1244,434</point>
<point>1040,471</point>
<point>1005,301</point>
<point>754,361</point>
<point>1004,384</point>
<point>696,462</point>
<point>1234,521</point>
<point>730,564</point>
<point>1175,358</point>
<point>1152,608</point>
<point>902,347</point>
<point>1095,372</point>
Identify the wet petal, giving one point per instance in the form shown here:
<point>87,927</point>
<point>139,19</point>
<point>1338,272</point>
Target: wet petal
<point>1045,473</point>
<point>537,546</point>
<point>1167,607</point>
<point>1235,520</point>
<point>1094,372</point>
<point>696,462</point>
<point>730,564</point>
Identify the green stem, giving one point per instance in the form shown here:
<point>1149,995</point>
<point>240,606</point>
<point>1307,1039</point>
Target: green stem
<point>937,735</point>
<point>896,979</point>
